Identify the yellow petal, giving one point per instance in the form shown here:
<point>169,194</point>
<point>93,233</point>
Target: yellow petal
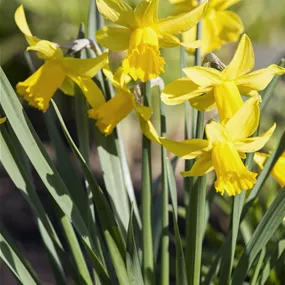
<point>167,40</point>
<point>255,143</point>
<point>47,50</point>
<point>259,79</point>
<point>232,175</point>
<point>143,60</point>
<point>278,171</point>
<point>2,120</point>
<point>187,149</point>
<point>224,4</point>
<point>21,21</point>
<point>245,121</point>
<point>117,11</point>
<point>205,102</point>
<point>67,86</point>
<point>204,76</point>
<point>181,23</point>
<point>114,38</point>
<point>228,100</point>
<point>112,112</point>
<point>38,89</point>
<point>192,45</point>
<point>146,13</point>
<point>91,91</point>
<point>243,60</point>
<point>143,114</point>
<point>179,91</point>
<point>202,166</point>
<point>216,132</point>
<point>209,39</point>
<point>230,26</point>
<point>86,68</point>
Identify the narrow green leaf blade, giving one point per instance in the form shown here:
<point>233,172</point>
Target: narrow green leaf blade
<point>264,231</point>
<point>17,264</point>
<point>181,274</point>
<point>132,258</point>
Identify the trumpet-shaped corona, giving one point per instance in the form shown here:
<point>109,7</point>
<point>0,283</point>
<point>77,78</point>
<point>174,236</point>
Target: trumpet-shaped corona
<point>142,34</point>
<point>207,88</point>
<point>225,148</point>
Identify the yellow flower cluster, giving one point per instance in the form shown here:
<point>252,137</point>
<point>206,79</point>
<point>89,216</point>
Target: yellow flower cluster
<point>142,34</point>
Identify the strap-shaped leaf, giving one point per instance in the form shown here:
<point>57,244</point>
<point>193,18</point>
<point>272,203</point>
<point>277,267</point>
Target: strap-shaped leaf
<point>43,165</point>
<point>18,265</point>
<point>111,231</point>
<point>132,257</point>
<point>264,231</point>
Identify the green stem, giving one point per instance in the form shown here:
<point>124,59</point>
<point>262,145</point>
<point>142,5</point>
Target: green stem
<point>187,133</point>
<point>148,258</point>
<point>196,206</point>
<point>164,209</point>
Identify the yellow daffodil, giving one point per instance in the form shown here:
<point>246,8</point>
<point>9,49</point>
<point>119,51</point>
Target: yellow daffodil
<point>2,120</point>
<point>57,72</point>
<point>224,148</point>
<point>117,108</point>
<point>206,88</point>
<point>278,171</point>
<point>219,26</point>
<point>142,34</point>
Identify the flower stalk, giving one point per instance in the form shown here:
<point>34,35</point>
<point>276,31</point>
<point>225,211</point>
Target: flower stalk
<point>148,257</point>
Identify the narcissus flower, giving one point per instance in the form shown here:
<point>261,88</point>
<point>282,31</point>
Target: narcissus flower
<point>2,120</point>
<point>224,148</point>
<point>207,88</point>
<point>278,171</point>
<point>219,26</point>
<point>143,34</point>
<point>123,103</point>
<point>57,72</point>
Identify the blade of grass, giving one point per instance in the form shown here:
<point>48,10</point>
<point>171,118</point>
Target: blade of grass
<point>271,262</point>
<point>181,274</point>
<point>111,231</point>
<point>46,170</point>
<point>18,265</point>
<point>258,267</point>
<point>16,169</point>
<point>164,280</point>
<point>148,257</point>
<point>132,258</point>
<point>265,229</point>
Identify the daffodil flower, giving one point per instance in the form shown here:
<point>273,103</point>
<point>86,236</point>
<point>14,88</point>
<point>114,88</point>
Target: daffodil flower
<point>278,171</point>
<point>57,72</point>
<point>219,26</point>
<point>224,149</point>
<point>142,34</point>
<point>108,115</point>
<point>2,120</point>
<point>206,88</point>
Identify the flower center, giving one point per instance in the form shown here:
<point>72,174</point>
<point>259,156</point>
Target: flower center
<point>143,60</point>
<point>232,175</point>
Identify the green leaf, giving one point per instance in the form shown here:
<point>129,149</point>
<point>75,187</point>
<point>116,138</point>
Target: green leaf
<point>111,231</point>
<point>181,274</point>
<point>18,265</point>
<point>43,165</point>
<point>16,168</point>
<point>264,231</point>
<point>257,267</point>
<point>272,261</point>
<point>132,258</point>
<point>148,252</point>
